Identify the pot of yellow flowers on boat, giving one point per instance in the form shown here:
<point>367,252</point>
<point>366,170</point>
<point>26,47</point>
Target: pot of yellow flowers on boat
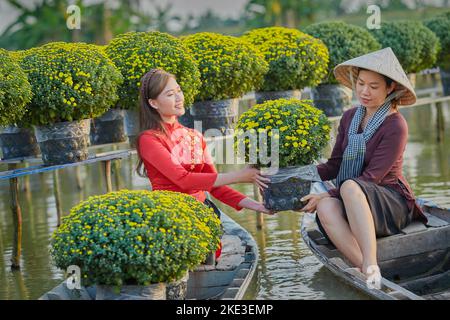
<point>136,245</point>
<point>295,132</point>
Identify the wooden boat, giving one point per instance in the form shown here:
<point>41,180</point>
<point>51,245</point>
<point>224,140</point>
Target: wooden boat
<point>228,279</point>
<point>415,264</point>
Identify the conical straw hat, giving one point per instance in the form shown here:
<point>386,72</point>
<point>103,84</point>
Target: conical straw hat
<point>382,61</point>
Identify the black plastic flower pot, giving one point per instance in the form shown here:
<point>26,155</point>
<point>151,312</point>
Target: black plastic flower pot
<point>132,126</point>
<point>332,99</point>
<point>108,128</point>
<point>220,115</point>
<point>177,290</point>
<point>286,195</point>
<point>445,79</point>
<point>18,142</point>
<point>263,96</point>
<point>63,142</point>
<point>287,186</point>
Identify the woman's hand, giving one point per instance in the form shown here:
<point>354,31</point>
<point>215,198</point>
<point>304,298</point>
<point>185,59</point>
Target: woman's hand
<point>253,175</point>
<point>254,205</point>
<point>313,200</point>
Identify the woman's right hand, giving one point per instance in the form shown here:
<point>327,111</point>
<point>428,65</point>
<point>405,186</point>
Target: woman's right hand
<point>253,175</point>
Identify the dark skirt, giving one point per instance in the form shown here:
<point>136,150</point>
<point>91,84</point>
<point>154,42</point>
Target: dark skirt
<point>389,209</point>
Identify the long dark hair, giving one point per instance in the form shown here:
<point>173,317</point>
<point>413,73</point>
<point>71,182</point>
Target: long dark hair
<point>152,84</point>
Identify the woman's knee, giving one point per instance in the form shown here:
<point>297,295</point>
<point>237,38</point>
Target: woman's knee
<point>328,210</point>
<point>350,189</point>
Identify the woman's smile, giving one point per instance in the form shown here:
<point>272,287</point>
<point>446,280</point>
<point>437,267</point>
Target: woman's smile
<point>364,101</point>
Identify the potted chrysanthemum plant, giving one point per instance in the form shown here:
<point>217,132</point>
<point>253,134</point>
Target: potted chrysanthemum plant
<point>73,82</point>
<point>15,93</point>
<point>134,244</point>
<point>300,130</point>
<point>296,60</point>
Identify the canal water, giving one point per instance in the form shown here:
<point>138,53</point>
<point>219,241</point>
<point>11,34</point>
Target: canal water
<point>286,269</point>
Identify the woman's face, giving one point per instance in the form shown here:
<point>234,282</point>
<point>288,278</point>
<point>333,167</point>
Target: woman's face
<point>371,89</point>
<point>170,102</point>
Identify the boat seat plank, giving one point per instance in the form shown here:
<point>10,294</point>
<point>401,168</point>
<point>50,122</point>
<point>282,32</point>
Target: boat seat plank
<point>426,285</point>
<point>232,244</point>
<point>233,253</point>
<point>229,262</point>
<point>441,213</point>
<point>414,243</point>
<point>434,221</point>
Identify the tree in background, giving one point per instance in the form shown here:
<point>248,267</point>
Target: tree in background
<point>46,21</point>
<point>163,18</point>
<point>289,13</point>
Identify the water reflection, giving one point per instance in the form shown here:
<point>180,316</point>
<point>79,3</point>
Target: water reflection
<point>287,269</point>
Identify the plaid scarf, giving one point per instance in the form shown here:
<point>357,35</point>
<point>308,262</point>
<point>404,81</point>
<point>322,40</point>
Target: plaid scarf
<point>353,157</point>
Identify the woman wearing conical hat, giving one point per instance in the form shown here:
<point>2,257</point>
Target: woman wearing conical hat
<point>372,198</point>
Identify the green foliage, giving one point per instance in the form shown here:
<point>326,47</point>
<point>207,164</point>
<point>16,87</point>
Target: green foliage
<point>72,81</point>
<point>296,60</point>
<point>229,66</point>
<point>135,53</point>
<point>302,130</point>
<point>344,42</point>
<point>43,21</point>
<point>290,13</point>
<point>15,90</point>
<point>440,25</point>
<point>431,47</point>
<point>414,45</point>
<point>136,237</point>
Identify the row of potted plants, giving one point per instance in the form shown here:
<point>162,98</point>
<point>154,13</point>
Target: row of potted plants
<point>79,81</point>
<point>69,84</point>
<point>440,25</point>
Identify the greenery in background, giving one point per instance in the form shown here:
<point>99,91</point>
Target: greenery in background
<point>229,66</point>
<point>289,13</point>
<point>303,130</point>
<point>440,25</point>
<point>72,81</point>
<point>415,46</point>
<point>136,53</point>
<point>296,60</point>
<point>15,90</point>
<point>344,42</point>
<point>40,22</point>
<point>136,237</point>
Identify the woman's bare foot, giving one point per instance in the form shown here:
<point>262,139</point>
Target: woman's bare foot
<point>373,275</point>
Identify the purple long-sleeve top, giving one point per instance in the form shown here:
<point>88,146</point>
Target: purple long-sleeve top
<point>383,160</point>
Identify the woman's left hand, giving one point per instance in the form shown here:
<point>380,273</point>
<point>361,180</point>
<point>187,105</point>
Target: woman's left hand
<point>259,207</point>
<point>254,205</point>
